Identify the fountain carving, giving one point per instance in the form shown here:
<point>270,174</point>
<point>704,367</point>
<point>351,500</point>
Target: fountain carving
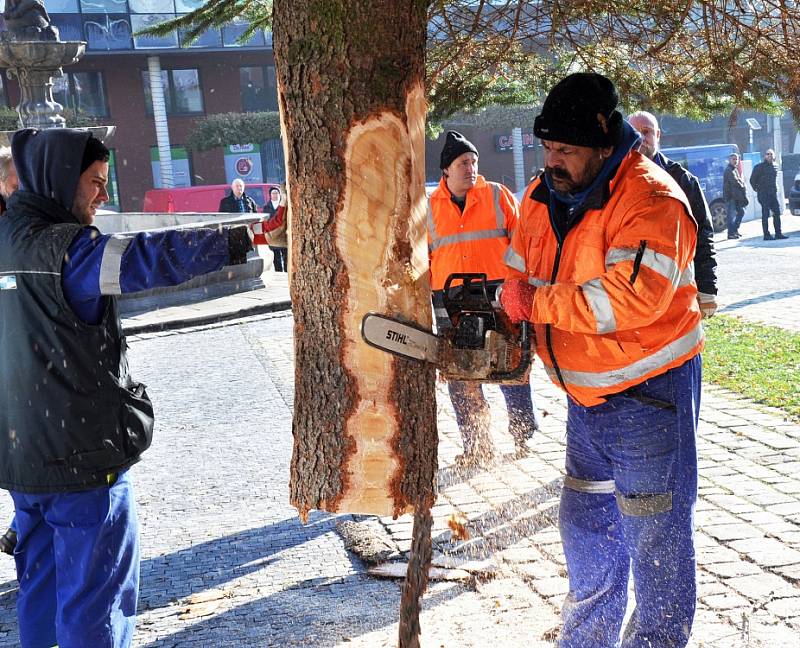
<point>32,52</point>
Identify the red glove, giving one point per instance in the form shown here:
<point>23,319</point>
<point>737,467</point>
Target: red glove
<point>517,299</point>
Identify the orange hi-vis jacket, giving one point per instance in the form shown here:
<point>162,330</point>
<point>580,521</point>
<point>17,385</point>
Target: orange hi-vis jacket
<point>616,300</point>
<point>475,240</point>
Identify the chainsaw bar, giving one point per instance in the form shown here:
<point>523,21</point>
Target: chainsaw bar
<point>402,339</point>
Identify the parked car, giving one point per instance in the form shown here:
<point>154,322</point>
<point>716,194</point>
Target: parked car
<point>200,198</point>
<point>708,163</point>
<point>794,196</point>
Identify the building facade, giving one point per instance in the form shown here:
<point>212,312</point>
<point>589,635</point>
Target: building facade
<point>214,74</point>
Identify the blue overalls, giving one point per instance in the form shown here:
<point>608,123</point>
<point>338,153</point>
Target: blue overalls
<point>627,507</point>
<point>77,558</point>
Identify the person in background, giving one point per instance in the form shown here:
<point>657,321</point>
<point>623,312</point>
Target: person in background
<point>470,223</point>
<point>275,231</point>
<point>764,180</point>
<point>705,265</point>
<point>237,201</point>
<point>66,461</point>
<point>8,185</point>
<point>734,195</point>
<point>601,264</point>
<point>8,179</point>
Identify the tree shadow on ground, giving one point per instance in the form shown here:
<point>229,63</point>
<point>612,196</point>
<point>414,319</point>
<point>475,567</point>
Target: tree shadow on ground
<point>211,564</point>
<point>757,240</point>
<point>781,294</point>
<point>315,613</point>
<point>318,611</point>
<point>507,524</point>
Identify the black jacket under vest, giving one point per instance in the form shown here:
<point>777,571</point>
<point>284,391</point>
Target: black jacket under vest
<point>70,414</point>
<point>228,204</point>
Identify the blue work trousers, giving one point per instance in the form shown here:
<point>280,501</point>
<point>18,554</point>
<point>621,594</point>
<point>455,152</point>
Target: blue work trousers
<point>473,417</point>
<point>627,507</point>
<point>734,214</point>
<point>77,561</point>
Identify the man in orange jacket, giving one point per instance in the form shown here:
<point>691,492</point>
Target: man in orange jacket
<point>602,265</point>
<point>470,222</point>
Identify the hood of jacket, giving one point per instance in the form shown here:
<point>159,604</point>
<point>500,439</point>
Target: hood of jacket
<point>49,162</point>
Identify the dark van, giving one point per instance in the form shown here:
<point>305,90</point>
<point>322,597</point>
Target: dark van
<point>708,163</point>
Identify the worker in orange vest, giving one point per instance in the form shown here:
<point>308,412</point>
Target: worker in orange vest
<point>602,265</point>
<point>470,223</point>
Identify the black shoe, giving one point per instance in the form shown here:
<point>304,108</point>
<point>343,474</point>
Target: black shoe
<point>768,237</point>
<point>780,237</point>
<point>732,237</point>
<point>8,541</point>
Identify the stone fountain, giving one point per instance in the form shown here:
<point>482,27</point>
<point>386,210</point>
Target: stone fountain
<point>33,53</point>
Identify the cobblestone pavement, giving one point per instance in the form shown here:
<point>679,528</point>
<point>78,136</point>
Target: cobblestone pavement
<point>225,561</point>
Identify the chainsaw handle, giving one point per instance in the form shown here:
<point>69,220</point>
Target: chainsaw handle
<point>468,279</point>
<point>524,358</point>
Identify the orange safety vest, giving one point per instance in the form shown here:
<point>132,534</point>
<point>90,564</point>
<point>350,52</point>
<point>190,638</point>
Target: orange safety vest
<point>616,300</point>
<point>474,240</point>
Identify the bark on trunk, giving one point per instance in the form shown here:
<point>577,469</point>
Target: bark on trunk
<point>352,98</point>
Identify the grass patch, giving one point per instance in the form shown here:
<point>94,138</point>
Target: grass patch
<point>757,361</point>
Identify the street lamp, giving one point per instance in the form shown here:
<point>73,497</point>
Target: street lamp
<point>752,122</point>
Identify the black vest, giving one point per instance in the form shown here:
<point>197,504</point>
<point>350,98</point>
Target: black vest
<point>70,414</point>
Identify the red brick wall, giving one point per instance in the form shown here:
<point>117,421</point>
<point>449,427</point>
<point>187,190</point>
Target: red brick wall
<point>135,134</point>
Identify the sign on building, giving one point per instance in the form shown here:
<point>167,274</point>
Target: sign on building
<point>181,171</point>
<point>243,161</point>
<point>505,142</point>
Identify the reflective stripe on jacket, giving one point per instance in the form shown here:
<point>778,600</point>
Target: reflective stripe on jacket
<point>616,299</point>
<point>472,241</point>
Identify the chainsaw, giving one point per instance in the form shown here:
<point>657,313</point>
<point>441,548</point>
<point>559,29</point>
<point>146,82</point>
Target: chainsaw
<point>481,343</point>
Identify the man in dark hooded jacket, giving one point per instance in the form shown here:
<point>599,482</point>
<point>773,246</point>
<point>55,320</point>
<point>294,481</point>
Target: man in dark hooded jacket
<point>74,421</point>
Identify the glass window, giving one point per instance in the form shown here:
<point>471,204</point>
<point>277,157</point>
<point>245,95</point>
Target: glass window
<point>69,26</point>
<point>113,184</point>
<point>185,87</point>
<point>258,88</point>
<point>104,6</point>
<point>185,6</point>
<point>3,93</point>
<point>182,92</point>
<point>209,38</point>
<point>140,22</point>
<point>151,6</point>
<point>82,92</point>
<point>106,32</point>
<point>148,97</point>
<point>230,34</point>
<point>62,6</point>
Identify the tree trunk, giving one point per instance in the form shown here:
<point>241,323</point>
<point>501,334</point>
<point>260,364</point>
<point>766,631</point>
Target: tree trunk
<point>352,99</point>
